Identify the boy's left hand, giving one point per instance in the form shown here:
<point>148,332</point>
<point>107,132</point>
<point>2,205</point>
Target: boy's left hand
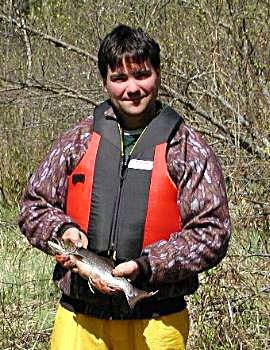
<point>129,269</point>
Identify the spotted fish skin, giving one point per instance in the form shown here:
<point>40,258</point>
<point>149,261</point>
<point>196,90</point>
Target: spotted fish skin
<point>92,266</point>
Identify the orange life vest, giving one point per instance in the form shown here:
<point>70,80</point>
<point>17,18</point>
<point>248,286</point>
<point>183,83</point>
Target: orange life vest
<point>143,209</point>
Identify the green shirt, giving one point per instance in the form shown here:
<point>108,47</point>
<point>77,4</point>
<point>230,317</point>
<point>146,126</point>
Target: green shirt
<point>129,140</point>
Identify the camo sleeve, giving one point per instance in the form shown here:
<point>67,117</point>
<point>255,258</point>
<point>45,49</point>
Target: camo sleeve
<point>43,201</point>
<point>205,223</point>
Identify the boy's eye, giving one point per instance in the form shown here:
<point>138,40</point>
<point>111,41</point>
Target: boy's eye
<point>142,74</point>
<point>118,78</point>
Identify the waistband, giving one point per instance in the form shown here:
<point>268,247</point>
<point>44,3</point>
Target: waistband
<point>116,308</point>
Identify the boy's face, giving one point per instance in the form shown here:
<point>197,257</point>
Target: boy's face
<point>133,88</point>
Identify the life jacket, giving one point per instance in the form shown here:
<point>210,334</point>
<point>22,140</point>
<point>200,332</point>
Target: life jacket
<point>125,207</point>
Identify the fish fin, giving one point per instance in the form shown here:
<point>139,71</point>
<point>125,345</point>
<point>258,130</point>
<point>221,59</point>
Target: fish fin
<point>137,296</point>
<point>90,285</point>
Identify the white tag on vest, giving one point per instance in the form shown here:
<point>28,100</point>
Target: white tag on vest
<point>140,164</point>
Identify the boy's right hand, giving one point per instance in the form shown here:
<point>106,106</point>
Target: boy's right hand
<point>76,237</point>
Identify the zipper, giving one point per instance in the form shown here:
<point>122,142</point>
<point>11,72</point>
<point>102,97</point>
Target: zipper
<point>123,171</point>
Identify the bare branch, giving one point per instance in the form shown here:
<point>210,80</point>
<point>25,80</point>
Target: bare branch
<point>255,134</point>
<point>28,51</point>
<point>261,255</point>
<point>246,144</point>
<point>61,91</point>
<point>49,38</point>
<point>190,105</point>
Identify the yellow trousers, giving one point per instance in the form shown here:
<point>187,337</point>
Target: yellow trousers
<point>82,332</point>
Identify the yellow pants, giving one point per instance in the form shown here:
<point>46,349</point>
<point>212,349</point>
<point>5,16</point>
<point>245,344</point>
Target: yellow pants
<point>81,332</point>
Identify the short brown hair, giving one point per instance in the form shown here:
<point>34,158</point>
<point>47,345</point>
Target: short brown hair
<point>124,41</point>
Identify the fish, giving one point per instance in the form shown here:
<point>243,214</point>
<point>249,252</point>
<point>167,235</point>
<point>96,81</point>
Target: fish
<point>92,265</point>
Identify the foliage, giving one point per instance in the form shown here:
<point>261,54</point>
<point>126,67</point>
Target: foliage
<point>215,72</point>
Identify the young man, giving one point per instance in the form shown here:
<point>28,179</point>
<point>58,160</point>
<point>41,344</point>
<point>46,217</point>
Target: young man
<point>134,183</point>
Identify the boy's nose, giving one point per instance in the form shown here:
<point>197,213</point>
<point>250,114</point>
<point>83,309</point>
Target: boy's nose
<point>132,87</point>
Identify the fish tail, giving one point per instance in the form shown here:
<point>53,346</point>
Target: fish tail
<point>137,296</point>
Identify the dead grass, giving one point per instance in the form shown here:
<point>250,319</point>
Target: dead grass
<point>231,308</point>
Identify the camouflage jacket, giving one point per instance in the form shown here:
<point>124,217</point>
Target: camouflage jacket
<point>192,165</point>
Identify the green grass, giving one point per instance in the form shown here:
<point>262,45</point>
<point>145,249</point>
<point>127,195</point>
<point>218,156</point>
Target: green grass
<point>27,296</point>
<point>230,311</point>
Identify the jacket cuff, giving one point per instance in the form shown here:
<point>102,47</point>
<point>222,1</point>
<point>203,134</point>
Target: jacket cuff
<point>144,266</point>
<point>64,227</point>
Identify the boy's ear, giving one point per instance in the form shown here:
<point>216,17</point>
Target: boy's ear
<point>104,84</point>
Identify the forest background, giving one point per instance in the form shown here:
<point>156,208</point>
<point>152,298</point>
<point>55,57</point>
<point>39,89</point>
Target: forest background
<point>215,73</point>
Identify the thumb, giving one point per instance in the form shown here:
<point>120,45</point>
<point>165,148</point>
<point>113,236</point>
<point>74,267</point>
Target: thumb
<point>116,272</point>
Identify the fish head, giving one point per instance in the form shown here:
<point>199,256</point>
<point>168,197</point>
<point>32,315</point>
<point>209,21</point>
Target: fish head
<point>60,247</point>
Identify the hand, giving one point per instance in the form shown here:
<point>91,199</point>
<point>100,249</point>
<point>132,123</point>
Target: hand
<point>129,269</point>
<point>103,287</point>
<point>78,239</point>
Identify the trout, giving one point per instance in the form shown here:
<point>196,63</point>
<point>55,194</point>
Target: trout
<point>91,265</point>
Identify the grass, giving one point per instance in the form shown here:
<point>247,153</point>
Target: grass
<point>231,308</point>
<point>229,311</point>
<point>28,296</point>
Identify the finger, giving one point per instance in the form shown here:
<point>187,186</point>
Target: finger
<point>129,269</point>
<point>65,261</point>
<point>121,270</point>
<point>117,273</point>
<point>104,288</point>
<point>76,237</point>
<point>84,240</point>
<point>60,258</point>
